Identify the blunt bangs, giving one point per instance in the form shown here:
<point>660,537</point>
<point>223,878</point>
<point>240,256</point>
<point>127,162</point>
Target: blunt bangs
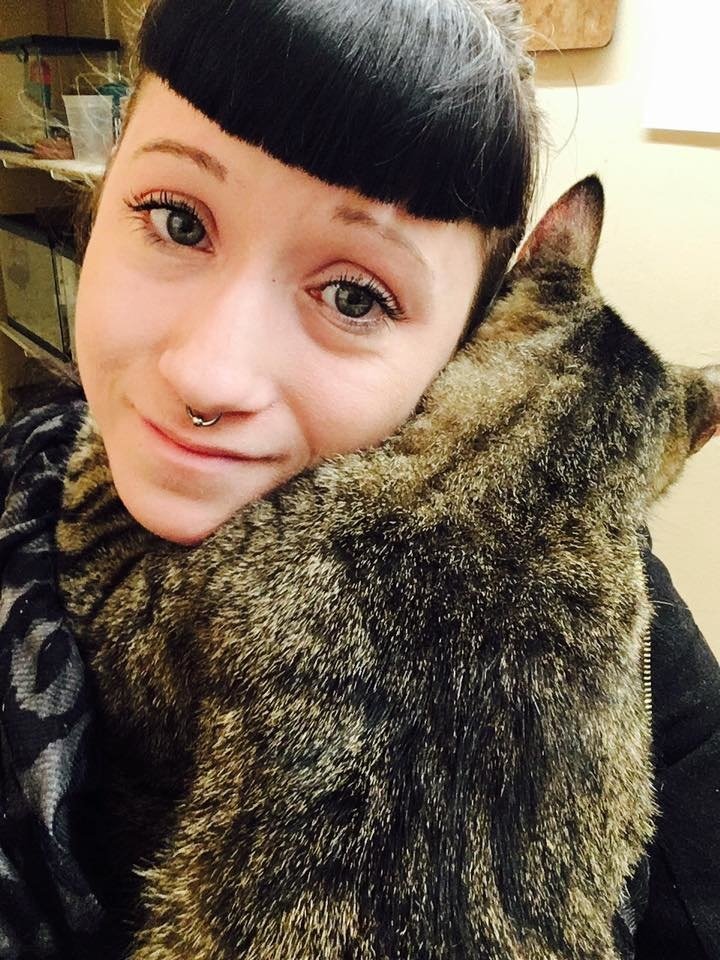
<point>412,102</point>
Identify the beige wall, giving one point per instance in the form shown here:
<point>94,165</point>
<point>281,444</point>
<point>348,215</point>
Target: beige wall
<point>659,258</point>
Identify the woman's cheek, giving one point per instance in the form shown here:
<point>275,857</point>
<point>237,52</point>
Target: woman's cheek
<point>114,320</point>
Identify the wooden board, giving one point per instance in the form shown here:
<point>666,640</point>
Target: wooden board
<point>570,24</point>
<point>86,18</point>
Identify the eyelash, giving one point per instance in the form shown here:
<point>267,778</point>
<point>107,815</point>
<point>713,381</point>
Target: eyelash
<point>389,306</point>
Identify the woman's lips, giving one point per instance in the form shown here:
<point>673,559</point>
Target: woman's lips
<point>207,453</point>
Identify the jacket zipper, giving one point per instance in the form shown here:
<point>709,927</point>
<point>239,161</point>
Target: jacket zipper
<point>646,678</point>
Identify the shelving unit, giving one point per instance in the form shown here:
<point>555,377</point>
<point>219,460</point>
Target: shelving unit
<point>31,349</point>
<point>67,171</point>
<point>26,181</point>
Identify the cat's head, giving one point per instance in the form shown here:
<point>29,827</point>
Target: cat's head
<point>552,283</point>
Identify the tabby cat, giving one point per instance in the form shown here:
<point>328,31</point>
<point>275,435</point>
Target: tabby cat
<point>395,708</point>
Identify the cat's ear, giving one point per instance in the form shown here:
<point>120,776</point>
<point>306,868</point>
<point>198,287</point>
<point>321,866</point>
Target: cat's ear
<point>704,419</point>
<point>570,230</point>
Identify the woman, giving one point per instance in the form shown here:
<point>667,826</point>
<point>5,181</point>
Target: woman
<point>311,206</point>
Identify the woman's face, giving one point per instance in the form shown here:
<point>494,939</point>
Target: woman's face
<point>310,318</point>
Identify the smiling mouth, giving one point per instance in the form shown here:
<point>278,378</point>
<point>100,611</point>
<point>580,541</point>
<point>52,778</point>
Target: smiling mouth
<point>208,453</point>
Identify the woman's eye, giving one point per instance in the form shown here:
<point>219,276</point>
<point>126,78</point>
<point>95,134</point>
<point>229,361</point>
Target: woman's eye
<point>178,226</point>
<point>171,220</point>
<point>351,300</point>
<point>362,304</point>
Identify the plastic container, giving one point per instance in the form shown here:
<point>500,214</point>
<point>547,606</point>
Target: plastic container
<point>67,277</point>
<point>90,120</point>
<point>34,73</point>
<point>40,275</point>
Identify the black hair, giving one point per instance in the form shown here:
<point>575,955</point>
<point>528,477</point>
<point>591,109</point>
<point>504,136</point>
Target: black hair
<point>423,103</point>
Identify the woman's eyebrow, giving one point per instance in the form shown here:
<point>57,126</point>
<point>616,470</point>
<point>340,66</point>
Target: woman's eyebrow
<point>353,216</point>
<point>343,213</point>
<point>178,149</point>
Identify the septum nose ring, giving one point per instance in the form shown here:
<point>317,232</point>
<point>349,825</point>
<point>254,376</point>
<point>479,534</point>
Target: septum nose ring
<point>199,421</point>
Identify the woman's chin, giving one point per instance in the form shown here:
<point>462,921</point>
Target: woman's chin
<point>171,516</point>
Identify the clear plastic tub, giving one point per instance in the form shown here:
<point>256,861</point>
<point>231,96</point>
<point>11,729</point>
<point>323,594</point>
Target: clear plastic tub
<point>90,120</point>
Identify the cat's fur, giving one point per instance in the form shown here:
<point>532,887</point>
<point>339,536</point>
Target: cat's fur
<point>395,708</point>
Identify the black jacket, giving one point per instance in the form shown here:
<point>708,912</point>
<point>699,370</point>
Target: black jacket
<point>682,918</point>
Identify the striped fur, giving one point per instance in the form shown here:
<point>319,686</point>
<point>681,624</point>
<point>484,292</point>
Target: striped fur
<point>394,709</point>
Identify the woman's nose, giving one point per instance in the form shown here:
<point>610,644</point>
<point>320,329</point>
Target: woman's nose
<point>222,354</point>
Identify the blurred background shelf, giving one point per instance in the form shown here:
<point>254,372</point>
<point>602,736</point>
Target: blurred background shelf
<point>31,349</point>
<point>44,66</point>
<point>66,170</point>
